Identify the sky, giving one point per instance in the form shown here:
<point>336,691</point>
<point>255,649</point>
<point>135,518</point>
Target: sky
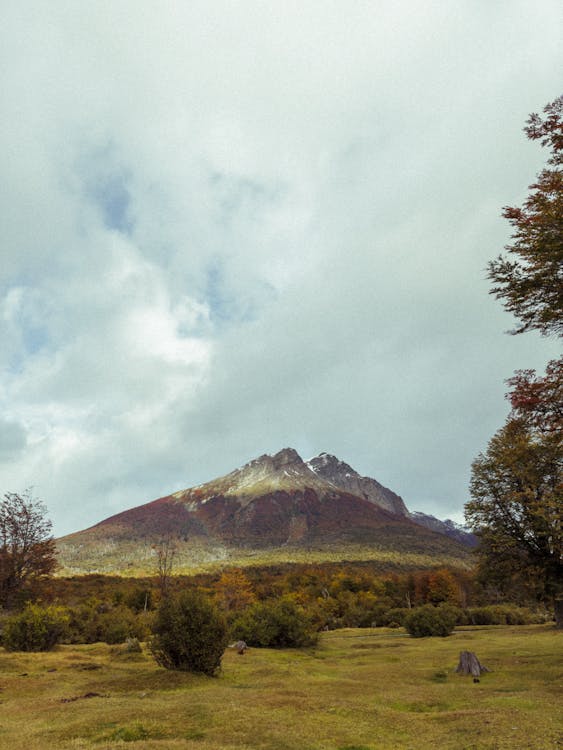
<point>233,227</point>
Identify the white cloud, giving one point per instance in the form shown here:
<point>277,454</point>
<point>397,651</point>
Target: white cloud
<point>233,227</point>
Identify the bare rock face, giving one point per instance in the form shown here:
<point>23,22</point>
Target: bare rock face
<point>342,475</point>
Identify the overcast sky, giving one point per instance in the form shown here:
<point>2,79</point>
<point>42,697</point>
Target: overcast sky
<point>232,227</point>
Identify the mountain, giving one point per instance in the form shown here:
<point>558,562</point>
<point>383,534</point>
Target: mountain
<point>448,527</point>
<point>343,476</point>
<point>273,508</point>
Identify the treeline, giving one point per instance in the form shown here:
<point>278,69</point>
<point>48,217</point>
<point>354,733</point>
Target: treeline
<point>325,596</point>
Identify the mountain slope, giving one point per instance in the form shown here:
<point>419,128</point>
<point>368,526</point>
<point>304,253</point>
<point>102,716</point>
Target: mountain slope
<point>343,476</point>
<point>274,507</point>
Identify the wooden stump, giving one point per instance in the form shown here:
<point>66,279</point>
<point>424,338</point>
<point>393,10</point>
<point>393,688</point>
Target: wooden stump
<point>470,664</point>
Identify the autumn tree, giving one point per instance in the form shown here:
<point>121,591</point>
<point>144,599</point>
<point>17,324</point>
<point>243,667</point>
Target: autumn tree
<point>27,548</point>
<point>234,591</point>
<point>517,487</point>
<point>529,281</point>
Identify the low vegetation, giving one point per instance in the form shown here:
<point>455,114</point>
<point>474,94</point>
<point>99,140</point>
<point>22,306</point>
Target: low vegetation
<point>375,689</point>
<point>422,622</point>
<point>190,634</point>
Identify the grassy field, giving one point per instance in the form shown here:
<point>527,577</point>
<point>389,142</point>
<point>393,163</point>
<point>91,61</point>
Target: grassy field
<point>358,690</point>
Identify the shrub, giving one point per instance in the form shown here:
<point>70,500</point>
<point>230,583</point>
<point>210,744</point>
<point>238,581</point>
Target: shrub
<point>502,614</point>
<point>277,624</point>
<point>428,620</point>
<point>100,621</point>
<point>35,628</point>
<point>394,617</point>
<point>189,634</point>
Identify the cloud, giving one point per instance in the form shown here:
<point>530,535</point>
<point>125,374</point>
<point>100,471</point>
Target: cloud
<point>235,227</point>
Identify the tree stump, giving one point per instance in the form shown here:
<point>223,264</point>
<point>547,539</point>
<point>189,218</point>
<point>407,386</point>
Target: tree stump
<point>470,664</point>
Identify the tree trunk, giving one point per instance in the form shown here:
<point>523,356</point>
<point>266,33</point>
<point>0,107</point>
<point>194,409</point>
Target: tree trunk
<point>558,607</point>
<point>470,664</point>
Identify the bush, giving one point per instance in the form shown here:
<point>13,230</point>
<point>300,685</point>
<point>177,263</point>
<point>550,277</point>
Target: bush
<point>502,614</point>
<point>35,628</point>
<point>100,621</point>
<point>394,617</point>
<point>190,634</point>
<point>428,620</point>
<point>277,624</point>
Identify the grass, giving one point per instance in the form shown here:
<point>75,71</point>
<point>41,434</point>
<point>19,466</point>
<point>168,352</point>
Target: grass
<point>359,690</point>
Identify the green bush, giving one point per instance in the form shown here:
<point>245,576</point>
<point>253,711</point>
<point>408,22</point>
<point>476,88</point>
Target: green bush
<point>393,617</point>
<point>503,614</point>
<point>36,628</point>
<point>100,621</point>
<point>189,634</point>
<point>277,624</point>
<point>429,620</point>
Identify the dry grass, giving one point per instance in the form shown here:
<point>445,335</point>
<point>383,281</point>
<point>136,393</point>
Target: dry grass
<point>359,690</point>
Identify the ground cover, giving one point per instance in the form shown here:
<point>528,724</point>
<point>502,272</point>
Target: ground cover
<point>372,689</point>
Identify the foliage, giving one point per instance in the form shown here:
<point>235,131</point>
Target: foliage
<point>502,614</point>
<point>429,620</point>
<point>27,549</point>
<point>190,634</point>
<point>35,628</point>
<point>95,621</point>
<point>538,401</point>
<point>516,507</point>
<point>531,284</point>
<point>281,623</point>
<point>140,599</point>
<point>234,591</point>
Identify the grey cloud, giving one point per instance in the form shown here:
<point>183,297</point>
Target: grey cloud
<point>241,228</point>
<point>13,440</point>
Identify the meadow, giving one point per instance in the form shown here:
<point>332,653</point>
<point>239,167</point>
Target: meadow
<point>359,689</point>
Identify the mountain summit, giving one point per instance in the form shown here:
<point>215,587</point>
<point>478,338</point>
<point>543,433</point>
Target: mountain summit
<point>342,475</point>
<point>274,507</point>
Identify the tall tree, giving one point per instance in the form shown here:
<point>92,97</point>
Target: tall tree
<point>517,487</point>
<point>27,548</point>
<point>530,281</point>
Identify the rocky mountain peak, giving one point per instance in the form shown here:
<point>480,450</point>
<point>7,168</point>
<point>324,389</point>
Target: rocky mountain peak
<point>286,457</point>
<point>337,472</point>
<point>329,466</point>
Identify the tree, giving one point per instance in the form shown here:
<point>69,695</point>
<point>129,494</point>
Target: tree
<point>166,552</point>
<point>530,283</point>
<point>276,624</point>
<point>27,548</point>
<point>35,628</point>
<point>517,506</point>
<point>539,400</point>
<point>234,591</point>
<point>190,634</point>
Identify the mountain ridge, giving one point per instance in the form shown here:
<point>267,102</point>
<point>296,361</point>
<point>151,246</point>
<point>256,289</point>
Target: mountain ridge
<point>273,505</point>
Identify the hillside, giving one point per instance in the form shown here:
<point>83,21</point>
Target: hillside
<point>271,509</point>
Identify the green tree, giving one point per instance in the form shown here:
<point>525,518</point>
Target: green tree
<point>277,624</point>
<point>189,634</point>
<point>27,548</point>
<point>517,506</point>
<point>530,281</point>
<point>35,628</point>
